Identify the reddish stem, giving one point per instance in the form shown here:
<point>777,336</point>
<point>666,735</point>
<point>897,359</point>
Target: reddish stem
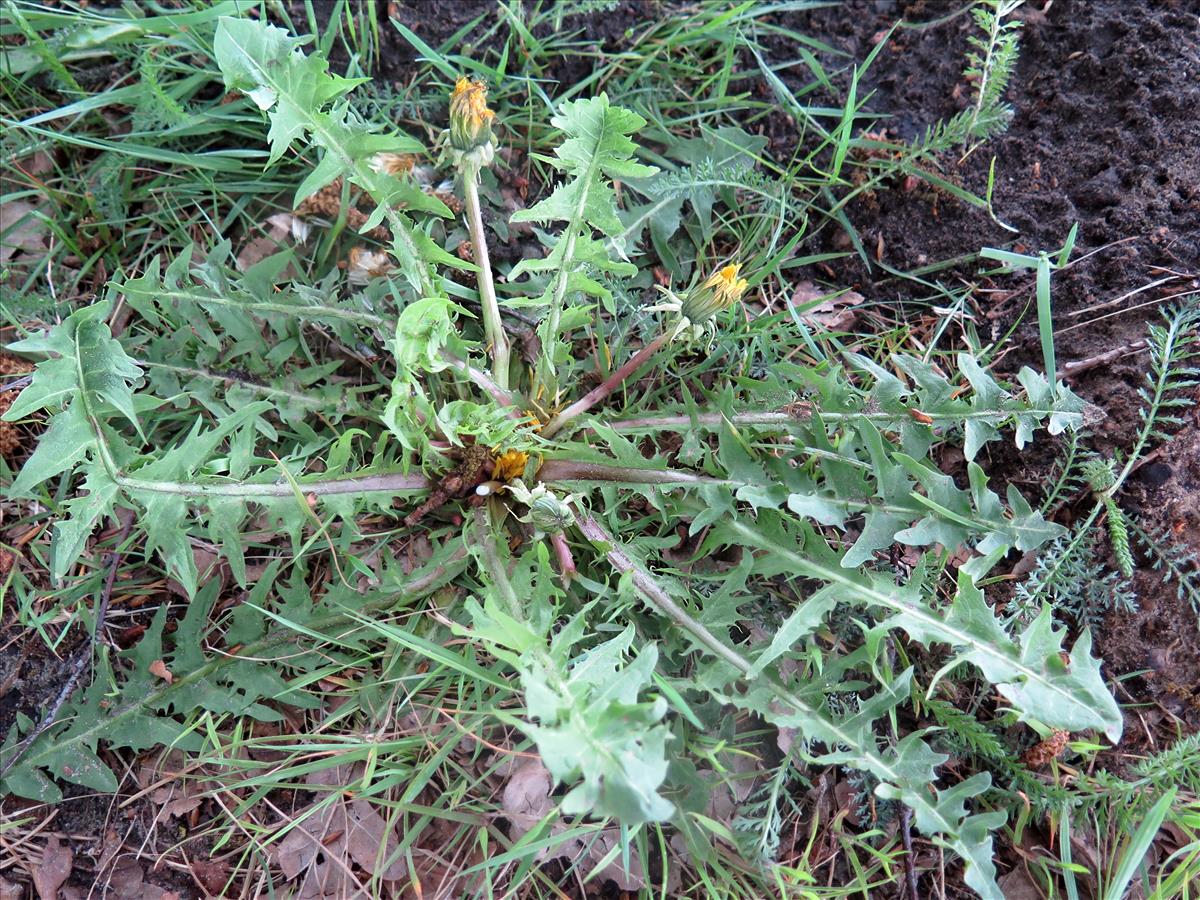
<point>566,562</point>
<point>610,384</point>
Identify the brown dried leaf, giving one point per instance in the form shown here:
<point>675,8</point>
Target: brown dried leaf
<point>526,798</point>
<point>259,248</point>
<point>212,874</point>
<point>53,869</point>
<point>829,311</point>
<point>127,879</point>
<point>159,669</point>
<point>1017,885</point>
<point>179,794</point>
<point>10,891</point>
<point>20,229</point>
<point>371,843</point>
<point>587,854</point>
<point>333,835</point>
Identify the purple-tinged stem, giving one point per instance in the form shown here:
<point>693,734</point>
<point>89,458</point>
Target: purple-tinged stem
<point>610,384</point>
<point>566,562</point>
<point>572,470</point>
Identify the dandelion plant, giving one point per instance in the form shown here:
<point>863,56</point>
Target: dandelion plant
<point>613,576</point>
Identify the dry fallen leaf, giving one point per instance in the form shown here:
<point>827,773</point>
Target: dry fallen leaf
<point>174,794</point>
<point>586,853</point>
<point>159,669</point>
<point>211,874</point>
<point>526,798</point>
<point>829,311</point>
<point>127,878</point>
<point>20,229</point>
<point>333,834</point>
<point>1017,885</point>
<point>53,869</point>
<point>10,891</point>
<point>260,247</point>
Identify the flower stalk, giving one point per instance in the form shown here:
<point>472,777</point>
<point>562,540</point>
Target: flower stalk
<point>695,310</point>
<point>493,329</point>
<point>472,148</point>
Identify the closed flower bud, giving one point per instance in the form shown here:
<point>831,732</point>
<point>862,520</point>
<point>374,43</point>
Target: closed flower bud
<point>549,514</point>
<point>722,289</point>
<point>471,121</point>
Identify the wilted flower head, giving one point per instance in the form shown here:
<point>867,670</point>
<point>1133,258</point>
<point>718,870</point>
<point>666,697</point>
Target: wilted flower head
<point>366,264</point>
<point>509,465</point>
<point>393,163</point>
<point>471,121</point>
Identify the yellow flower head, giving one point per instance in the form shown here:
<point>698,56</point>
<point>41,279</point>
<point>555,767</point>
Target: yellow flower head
<point>470,118</point>
<point>728,286</point>
<point>720,291</point>
<point>509,465</point>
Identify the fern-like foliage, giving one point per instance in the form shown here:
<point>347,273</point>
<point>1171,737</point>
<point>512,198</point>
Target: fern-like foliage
<point>963,731</point>
<point>1070,477</point>
<point>1174,346</point>
<point>1100,475</point>
<point>1174,560</point>
<point>1078,584</point>
<point>157,106</point>
<point>718,165</point>
<point>990,66</point>
<point>760,817</point>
